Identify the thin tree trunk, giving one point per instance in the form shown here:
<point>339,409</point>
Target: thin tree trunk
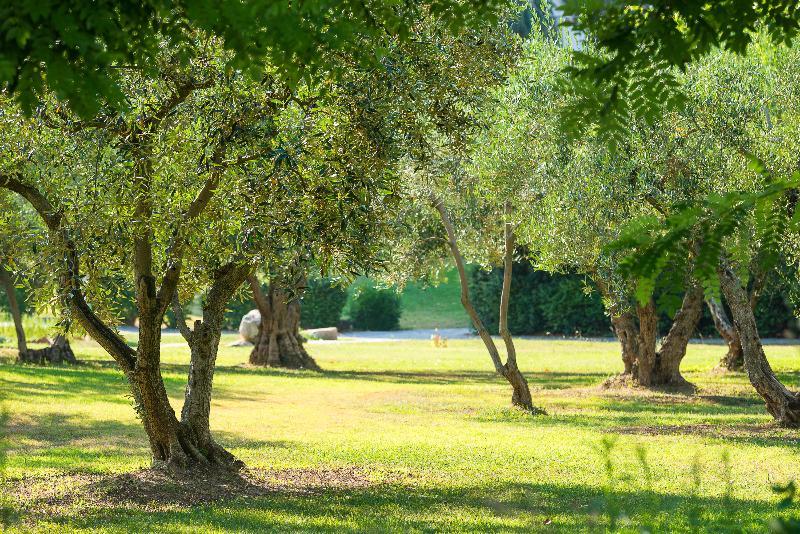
<point>782,404</point>
<point>279,341</point>
<point>521,395</point>
<point>734,359</point>
<point>16,313</point>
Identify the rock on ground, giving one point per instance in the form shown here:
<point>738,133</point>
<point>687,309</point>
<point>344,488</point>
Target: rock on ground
<point>248,327</point>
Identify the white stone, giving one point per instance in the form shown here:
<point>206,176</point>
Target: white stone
<point>248,327</point>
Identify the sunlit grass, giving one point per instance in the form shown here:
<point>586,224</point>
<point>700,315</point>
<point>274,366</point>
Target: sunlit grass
<point>441,419</point>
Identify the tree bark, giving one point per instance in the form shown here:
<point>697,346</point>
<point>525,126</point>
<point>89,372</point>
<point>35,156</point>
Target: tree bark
<point>279,342</point>
<point>16,313</point>
<point>734,358</point>
<point>521,395</point>
<point>204,341</point>
<point>669,357</point>
<point>58,352</point>
<point>627,333</point>
<point>782,404</point>
<point>643,364</point>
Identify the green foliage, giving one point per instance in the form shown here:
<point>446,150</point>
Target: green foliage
<point>375,309</point>
<point>654,245</point>
<point>642,47</point>
<point>78,48</point>
<point>540,302</point>
<point>322,303</point>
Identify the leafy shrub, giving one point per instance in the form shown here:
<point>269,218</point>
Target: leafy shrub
<point>322,303</point>
<point>375,309</point>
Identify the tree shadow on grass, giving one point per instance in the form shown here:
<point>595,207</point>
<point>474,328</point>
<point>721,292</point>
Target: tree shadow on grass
<point>507,507</point>
<point>542,380</point>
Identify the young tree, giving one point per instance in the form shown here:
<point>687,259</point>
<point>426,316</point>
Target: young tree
<point>433,96</point>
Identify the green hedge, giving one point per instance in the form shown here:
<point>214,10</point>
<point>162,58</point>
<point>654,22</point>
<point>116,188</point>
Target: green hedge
<point>322,304</point>
<point>557,303</point>
<point>540,303</point>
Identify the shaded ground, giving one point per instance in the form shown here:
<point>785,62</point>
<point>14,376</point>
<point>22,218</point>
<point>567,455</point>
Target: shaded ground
<point>401,436</point>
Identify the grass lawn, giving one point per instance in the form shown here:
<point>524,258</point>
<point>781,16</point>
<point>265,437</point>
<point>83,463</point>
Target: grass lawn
<point>405,437</point>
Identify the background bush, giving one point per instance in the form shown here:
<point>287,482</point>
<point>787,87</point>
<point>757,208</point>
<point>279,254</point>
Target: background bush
<point>375,309</point>
<point>558,304</point>
<point>322,303</point>
<point>540,302</point>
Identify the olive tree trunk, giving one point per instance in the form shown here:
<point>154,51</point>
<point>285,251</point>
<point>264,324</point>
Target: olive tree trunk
<point>16,313</point>
<point>279,342</point>
<point>782,404</point>
<point>203,340</point>
<point>58,352</point>
<point>734,358</point>
<point>521,394</point>
<point>644,364</point>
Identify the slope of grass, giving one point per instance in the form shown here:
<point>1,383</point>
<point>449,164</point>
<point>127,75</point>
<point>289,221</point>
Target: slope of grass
<point>424,306</point>
<point>432,431</point>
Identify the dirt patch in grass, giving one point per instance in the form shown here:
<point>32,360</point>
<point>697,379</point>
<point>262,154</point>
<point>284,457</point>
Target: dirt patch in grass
<point>158,490</point>
<point>756,433</point>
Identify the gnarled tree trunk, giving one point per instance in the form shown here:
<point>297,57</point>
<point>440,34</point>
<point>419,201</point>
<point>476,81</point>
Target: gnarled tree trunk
<point>279,341</point>
<point>666,370</point>
<point>627,332</point>
<point>734,358</point>
<point>58,352</point>
<point>644,365</point>
<point>781,403</point>
<point>16,313</point>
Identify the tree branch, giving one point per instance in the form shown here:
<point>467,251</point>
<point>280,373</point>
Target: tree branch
<point>180,320</point>
<point>505,295</point>
<point>71,279</point>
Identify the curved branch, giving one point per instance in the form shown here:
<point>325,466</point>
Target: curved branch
<point>494,354</point>
<point>71,281</point>
<point>180,320</point>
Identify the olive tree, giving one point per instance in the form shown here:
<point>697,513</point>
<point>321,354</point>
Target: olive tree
<point>738,226</point>
<point>187,186</point>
